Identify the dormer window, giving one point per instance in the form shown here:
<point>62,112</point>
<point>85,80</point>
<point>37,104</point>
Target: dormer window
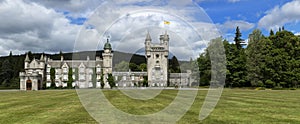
<point>81,70</point>
<point>65,70</point>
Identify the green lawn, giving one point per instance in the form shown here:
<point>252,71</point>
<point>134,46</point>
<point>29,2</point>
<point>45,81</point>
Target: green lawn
<point>235,106</point>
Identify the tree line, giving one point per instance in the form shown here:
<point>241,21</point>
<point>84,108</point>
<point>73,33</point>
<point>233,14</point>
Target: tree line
<point>267,61</point>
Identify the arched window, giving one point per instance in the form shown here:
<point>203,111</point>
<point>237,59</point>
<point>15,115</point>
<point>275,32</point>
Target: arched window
<point>157,55</point>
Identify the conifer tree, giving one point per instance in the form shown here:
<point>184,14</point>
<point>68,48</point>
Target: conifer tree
<point>237,39</point>
<point>271,32</point>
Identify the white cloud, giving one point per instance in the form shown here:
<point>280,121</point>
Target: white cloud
<point>232,24</point>
<point>77,8</point>
<point>278,16</point>
<point>42,27</point>
<point>30,26</point>
<point>128,25</point>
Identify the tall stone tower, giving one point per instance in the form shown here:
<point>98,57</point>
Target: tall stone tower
<point>107,57</point>
<point>107,61</point>
<point>157,60</point>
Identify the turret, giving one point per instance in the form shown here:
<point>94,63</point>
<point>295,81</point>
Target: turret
<point>107,47</point>
<point>147,44</point>
<point>42,58</point>
<point>107,57</point>
<point>26,61</point>
<point>148,37</point>
<point>166,37</point>
<point>42,62</point>
<point>166,43</point>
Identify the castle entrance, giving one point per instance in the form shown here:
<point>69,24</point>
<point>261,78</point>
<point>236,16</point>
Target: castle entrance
<point>28,85</point>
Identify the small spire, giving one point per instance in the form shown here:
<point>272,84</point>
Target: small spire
<point>42,57</point>
<point>27,58</point>
<point>148,37</point>
<point>107,38</point>
<point>166,36</point>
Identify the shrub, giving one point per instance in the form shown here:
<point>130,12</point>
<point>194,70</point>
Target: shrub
<point>260,88</point>
<point>269,84</point>
<point>260,84</point>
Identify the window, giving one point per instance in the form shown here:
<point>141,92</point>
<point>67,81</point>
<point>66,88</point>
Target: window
<point>81,77</point>
<point>157,55</point>
<point>90,77</point>
<point>91,71</point>
<point>98,70</point>
<point>48,77</point>
<point>48,69</point>
<point>81,70</point>
<point>65,70</point>
<point>57,77</point>
<point>65,77</point>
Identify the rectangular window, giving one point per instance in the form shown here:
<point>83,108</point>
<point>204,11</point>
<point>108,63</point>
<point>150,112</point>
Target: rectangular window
<point>57,77</point>
<point>65,77</point>
<point>81,70</point>
<point>65,70</point>
<point>98,70</point>
<point>48,77</point>
<point>90,77</point>
<point>81,77</point>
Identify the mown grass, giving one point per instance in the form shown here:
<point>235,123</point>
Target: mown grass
<point>235,106</point>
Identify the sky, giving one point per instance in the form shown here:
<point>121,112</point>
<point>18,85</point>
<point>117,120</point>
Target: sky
<point>51,26</point>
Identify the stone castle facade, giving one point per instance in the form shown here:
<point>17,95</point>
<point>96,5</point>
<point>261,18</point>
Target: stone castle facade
<point>87,73</point>
<point>157,60</point>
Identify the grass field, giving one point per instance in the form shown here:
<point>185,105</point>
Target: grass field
<point>235,106</point>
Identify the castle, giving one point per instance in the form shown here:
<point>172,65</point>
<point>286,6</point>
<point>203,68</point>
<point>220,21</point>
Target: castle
<point>87,73</point>
<point>157,60</point>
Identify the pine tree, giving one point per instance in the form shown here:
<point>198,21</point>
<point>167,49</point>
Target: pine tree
<point>52,77</point>
<point>70,78</point>
<point>271,32</point>
<point>111,80</point>
<point>237,39</point>
<point>279,29</point>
